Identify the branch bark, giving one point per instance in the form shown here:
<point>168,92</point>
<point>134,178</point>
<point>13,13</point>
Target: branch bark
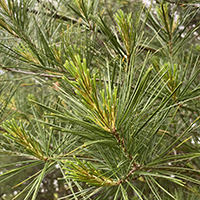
<point>180,4</point>
<point>3,130</point>
<point>49,75</point>
<point>33,73</point>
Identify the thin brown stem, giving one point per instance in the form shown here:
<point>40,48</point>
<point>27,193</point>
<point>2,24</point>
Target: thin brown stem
<point>121,142</point>
<point>33,73</point>
<point>180,4</point>
<point>75,21</point>
<point>56,16</point>
<point>3,130</point>
<point>46,75</point>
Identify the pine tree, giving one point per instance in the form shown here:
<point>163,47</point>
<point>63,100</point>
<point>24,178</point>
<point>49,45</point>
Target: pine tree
<point>103,96</point>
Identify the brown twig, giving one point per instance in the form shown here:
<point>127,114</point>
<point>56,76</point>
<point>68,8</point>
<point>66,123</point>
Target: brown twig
<point>46,7</point>
<point>48,75</point>
<point>55,15</point>
<point>33,73</point>
<point>180,4</point>
<point>3,130</point>
<point>121,142</point>
<point>75,21</point>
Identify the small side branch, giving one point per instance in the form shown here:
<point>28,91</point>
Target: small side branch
<point>55,16</point>
<point>180,4</point>
<point>46,75</point>
<point>121,142</point>
<point>33,73</point>
<point>3,130</point>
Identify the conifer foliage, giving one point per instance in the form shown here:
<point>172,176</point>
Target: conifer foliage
<point>103,96</point>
